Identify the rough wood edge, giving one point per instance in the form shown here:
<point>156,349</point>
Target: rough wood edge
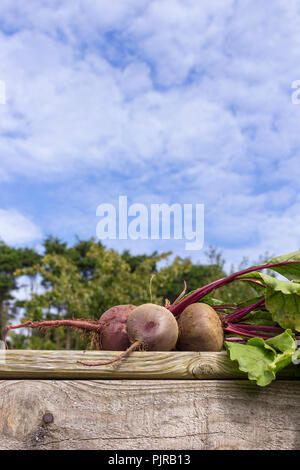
<point>25,364</point>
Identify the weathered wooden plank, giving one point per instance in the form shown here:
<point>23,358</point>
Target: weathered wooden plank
<point>140,365</point>
<point>143,414</point>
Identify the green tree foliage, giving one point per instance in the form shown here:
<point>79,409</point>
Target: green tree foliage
<point>195,275</point>
<point>238,291</point>
<point>10,260</point>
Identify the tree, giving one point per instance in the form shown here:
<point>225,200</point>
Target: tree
<point>170,280</point>
<point>11,259</point>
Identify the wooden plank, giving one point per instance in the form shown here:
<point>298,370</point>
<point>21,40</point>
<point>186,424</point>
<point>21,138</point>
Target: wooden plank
<point>21,364</point>
<point>143,414</point>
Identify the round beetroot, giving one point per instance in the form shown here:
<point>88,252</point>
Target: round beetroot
<point>153,326</point>
<point>113,335</point>
<point>200,329</point>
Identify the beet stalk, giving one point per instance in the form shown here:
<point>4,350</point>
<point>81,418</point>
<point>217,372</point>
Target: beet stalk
<point>205,290</point>
<point>242,312</point>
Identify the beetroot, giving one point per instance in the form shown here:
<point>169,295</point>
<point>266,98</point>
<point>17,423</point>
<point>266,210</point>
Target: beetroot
<point>113,335</point>
<point>108,333</point>
<point>153,327</point>
<point>200,329</point>
<point>150,327</point>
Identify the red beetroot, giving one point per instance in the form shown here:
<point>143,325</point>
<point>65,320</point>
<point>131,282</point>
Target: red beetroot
<point>113,335</point>
<point>108,333</point>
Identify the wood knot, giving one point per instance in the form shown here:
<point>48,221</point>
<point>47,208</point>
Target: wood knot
<point>200,369</point>
<point>48,418</point>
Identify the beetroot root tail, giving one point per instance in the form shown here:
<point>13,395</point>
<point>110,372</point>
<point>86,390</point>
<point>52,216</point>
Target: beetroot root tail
<point>126,353</point>
<point>82,324</point>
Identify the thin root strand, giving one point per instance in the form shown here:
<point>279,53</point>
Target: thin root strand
<point>128,351</point>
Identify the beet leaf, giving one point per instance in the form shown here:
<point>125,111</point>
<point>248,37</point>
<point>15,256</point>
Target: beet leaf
<point>290,267</point>
<point>282,300</point>
<point>262,359</point>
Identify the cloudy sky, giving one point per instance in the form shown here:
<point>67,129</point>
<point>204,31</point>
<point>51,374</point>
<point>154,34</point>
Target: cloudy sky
<point>167,101</point>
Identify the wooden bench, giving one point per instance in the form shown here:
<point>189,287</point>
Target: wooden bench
<point>172,400</point>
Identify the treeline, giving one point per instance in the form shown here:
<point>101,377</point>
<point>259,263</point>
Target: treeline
<point>84,280</point>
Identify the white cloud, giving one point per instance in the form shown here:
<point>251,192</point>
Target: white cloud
<point>75,107</point>
<point>191,99</point>
<point>16,229</point>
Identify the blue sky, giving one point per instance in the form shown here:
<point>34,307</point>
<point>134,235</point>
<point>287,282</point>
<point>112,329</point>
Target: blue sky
<point>164,101</point>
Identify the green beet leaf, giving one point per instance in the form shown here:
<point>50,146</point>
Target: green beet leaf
<point>263,359</point>
<point>290,271</point>
<point>251,301</point>
<point>285,342</point>
<point>254,359</point>
<point>282,299</point>
<point>259,317</point>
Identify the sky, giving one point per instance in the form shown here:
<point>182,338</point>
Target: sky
<point>162,101</point>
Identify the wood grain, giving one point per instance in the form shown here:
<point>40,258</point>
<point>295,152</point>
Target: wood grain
<point>24,364</point>
<point>143,414</point>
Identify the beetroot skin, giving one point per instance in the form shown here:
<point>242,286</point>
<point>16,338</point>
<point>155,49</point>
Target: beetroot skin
<point>113,334</point>
<point>154,327</point>
<point>200,329</point>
